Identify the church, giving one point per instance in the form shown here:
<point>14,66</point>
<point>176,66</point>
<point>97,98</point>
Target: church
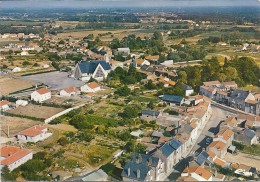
<point>97,69</point>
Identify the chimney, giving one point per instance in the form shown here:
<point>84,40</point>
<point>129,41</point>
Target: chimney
<point>138,173</point>
<point>128,171</point>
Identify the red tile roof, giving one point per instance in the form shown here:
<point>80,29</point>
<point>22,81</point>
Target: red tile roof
<point>4,102</point>
<point>219,162</point>
<point>70,89</point>
<point>210,83</point>
<point>93,85</point>
<point>12,154</point>
<point>33,131</point>
<point>199,171</point>
<point>42,91</point>
<point>225,133</point>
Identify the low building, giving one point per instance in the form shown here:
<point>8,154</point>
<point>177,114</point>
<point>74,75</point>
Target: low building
<point>68,92</point>
<point>16,69</point>
<point>245,136</point>
<point>41,95</point>
<point>21,103</point>
<point>90,87</point>
<point>4,104</point>
<point>140,62</point>
<point>34,134</point>
<point>218,147</point>
<point>173,99</point>
<point>188,90</point>
<point>198,173</point>
<point>125,51</point>
<point>13,157</point>
<point>96,175</point>
<point>150,114</point>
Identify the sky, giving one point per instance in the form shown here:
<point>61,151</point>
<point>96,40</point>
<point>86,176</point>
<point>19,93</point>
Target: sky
<point>122,3</point>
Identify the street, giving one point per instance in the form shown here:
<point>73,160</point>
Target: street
<point>210,129</point>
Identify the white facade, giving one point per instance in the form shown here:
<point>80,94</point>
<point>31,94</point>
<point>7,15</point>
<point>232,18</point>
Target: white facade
<point>86,88</point>
<point>5,107</point>
<point>40,97</point>
<point>40,137</point>
<point>16,69</point>
<point>20,161</point>
<point>66,94</point>
<point>189,92</point>
<point>24,53</point>
<point>21,102</point>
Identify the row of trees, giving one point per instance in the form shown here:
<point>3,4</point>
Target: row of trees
<point>243,70</point>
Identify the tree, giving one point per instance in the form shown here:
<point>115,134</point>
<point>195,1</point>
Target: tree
<point>183,77</point>
<point>150,105</point>
<point>63,141</point>
<point>7,175</point>
<point>130,112</point>
<point>123,91</point>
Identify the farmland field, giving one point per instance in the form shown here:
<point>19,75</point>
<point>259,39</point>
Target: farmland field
<point>9,85</point>
<point>36,111</point>
<point>15,124</point>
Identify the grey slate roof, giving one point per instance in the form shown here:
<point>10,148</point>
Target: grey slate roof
<point>239,95</point>
<point>141,162</point>
<point>175,143</point>
<point>187,87</point>
<point>97,175</point>
<point>167,149</point>
<point>172,98</point>
<point>90,66</point>
<point>144,67</point>
<point>150,112</point>
<point>202,157</point>
<point>249,133</point>
<point>157,134</point>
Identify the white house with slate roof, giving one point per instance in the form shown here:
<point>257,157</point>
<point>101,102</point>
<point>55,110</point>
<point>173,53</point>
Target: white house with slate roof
<point>97,69</point>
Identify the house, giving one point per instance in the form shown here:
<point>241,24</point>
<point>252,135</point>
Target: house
<point>68,92</point>
<point>238,98</point>
<point>225,135</point>
<point>96,175</point>
<point>198,173</point>
<point>4,104</point>
<point>207,91</point>
<point>24,53</point>
<point>188,90</point>
<point>90,87</point>
<point>173,99</point>
<point>170,153</point>
<point>13,157</point>
<point>218,147</point>
<point>21,103</point>
<point>229,85</point>
<point>150,115</point>
<point>41,95</point>
<point>245,136</point>
<point>97,69</point>
<point>230,122</point>
<point>153,59</point>
<point>16,69</point>
<point>34,134</point>
<point>142,167</point>
<point>203,159</point>
<point>123,51</point>
<point>141,62</point>
<point>221,97</point>
<point>212,84</point>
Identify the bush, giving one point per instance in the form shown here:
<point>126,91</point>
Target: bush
<point>63,141</point>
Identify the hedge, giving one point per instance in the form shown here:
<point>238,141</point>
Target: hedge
<point>22,116</point>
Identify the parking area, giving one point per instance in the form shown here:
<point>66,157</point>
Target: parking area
<point>55,80</point>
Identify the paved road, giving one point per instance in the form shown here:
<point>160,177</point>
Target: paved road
<point>211,128</point>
